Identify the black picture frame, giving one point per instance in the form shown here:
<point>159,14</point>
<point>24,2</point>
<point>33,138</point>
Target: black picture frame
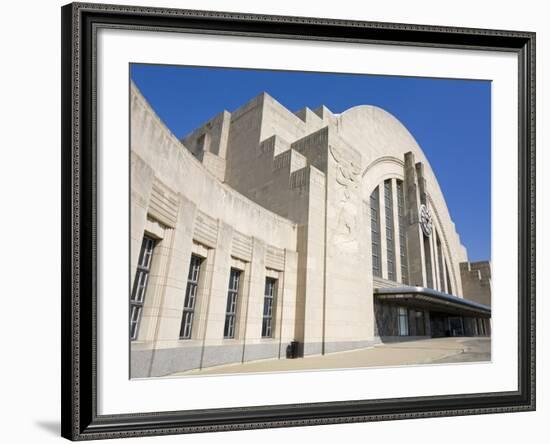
<point>79,211</point>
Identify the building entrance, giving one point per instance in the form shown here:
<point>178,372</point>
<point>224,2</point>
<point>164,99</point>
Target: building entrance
<point>443,325</point>
<point>456,326</point>
<point>439,325</point>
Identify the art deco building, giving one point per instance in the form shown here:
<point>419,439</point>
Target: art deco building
<point>265,227</point>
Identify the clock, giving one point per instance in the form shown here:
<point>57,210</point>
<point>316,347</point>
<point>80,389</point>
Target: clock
<point>426,220</point>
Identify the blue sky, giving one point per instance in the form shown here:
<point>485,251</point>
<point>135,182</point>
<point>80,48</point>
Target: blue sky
<point>450,120</point>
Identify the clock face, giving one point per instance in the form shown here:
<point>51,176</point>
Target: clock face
<point>426,220</point>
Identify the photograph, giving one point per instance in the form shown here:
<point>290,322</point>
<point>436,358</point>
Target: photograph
<point>275,220</point>
<point>293,221</point>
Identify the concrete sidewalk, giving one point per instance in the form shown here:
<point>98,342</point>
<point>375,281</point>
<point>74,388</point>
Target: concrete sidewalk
<point>440,350</point>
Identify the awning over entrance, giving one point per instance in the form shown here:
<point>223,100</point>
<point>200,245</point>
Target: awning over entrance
<point>432,300</point>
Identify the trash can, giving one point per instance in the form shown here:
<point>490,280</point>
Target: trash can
<point>292,350</point>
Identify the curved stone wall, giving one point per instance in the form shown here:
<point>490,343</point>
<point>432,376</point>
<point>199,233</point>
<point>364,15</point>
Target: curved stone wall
<point>383,142</point>
<point>189,212</point>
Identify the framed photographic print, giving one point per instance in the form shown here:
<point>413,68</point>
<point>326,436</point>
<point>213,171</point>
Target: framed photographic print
<point>280,221</point>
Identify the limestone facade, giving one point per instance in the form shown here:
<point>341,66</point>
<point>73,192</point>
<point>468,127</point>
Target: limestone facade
<point>263,227</point>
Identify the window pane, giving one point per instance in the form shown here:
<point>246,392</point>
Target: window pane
<point>190,297</point>
<point>375,233</point>
<point>231,307</point>
<point>388,206</point>
<point>187,322</point>
<point>402,233</point>
<point>137,297</point>
<point>142,285</point>
<point>269,297</point>
<point>229,328</point>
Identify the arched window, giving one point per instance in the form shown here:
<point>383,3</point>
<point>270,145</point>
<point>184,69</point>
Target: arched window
<point>394,229</point>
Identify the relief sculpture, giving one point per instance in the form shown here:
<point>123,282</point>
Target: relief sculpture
<point>347,177</point>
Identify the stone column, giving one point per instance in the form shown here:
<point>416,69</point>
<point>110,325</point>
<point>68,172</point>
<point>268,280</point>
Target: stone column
<point>433,240</point>
<point>142,184</point>
<point>216,306</point>
<point>252,313</point>
<point>430,254</point>
<point>348,311</point>
<point>286,303</point>
<point>156,288</point>
<point>203,294</point>
<point>427,323</point>
<point>314,297</point>
<point>177,247</point>
<point>446,289</point>
<point>415,240</point>
<point>433,260</point>
<point>397,245</point>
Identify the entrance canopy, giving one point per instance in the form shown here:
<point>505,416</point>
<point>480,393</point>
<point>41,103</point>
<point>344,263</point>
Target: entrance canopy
<point>433,300</point>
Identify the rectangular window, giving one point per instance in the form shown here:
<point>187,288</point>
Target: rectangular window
<point>269,300</point>
<point>140,285</point>
<point>402,233</point>
<point>190,297</point>
<point>390,244</point>
<point>403,317</point>
<point>375,233</point>
<point>231,309</point>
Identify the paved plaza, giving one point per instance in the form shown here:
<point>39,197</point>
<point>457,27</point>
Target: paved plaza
<point>426,351</point>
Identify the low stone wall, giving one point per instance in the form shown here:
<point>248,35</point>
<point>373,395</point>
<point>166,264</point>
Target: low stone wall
<point>164,362</point>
